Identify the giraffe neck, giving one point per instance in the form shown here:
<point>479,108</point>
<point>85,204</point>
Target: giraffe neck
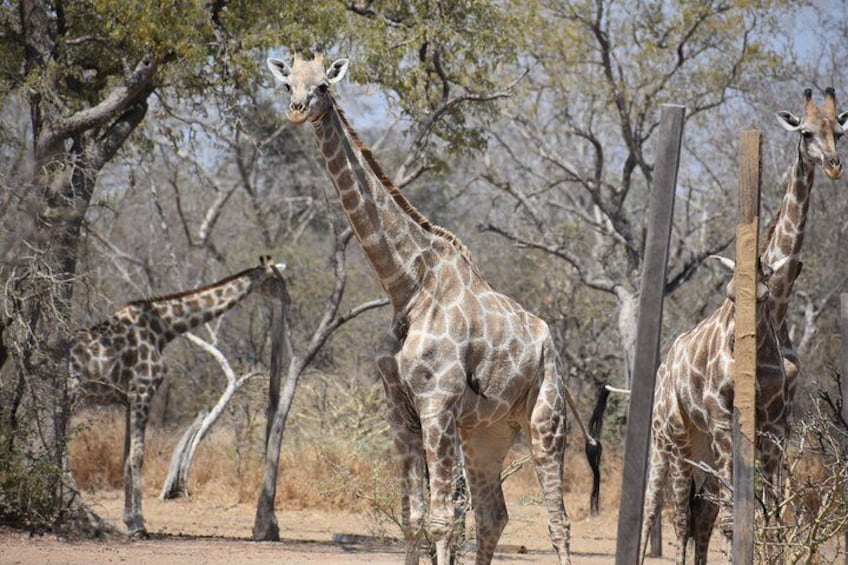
<point>786,236</point>
<point>767,343</point>
<point>392,238</point>
<point>176,314</point>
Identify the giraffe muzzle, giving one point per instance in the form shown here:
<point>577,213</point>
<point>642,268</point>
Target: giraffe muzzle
<point>833,169</point>
<point>296,113</point>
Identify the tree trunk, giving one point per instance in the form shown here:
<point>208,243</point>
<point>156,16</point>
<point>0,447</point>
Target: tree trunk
<point>39,243</point>
<point>265,526</point>
<point>176,483</point>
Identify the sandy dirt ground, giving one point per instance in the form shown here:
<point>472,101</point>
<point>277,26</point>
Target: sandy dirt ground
<point>194,531</point>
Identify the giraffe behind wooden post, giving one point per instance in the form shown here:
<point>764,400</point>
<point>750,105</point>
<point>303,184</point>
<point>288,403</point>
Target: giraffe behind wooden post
<point>119,360</point>
<point>692,416</point>
<point>460,359</point>
<point>697,374</point>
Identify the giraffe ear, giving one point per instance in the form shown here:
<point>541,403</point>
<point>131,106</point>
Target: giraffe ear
<point>777,264</point>
<point>728,264</point>
<point>842,119</point>
<point>279,69</point>
<point>337,70</point>
<point>788,120</point>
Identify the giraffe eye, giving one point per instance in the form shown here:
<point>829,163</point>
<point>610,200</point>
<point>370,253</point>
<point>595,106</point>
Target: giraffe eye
<point>322,88</point>
<point>808,135</point>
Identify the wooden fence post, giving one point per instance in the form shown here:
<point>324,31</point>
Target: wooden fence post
<point>649,325</point>
<point>745,350</point>
<point>843,383</point>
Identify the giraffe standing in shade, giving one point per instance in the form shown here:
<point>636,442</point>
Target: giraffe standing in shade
<point>460,359</point>
<point>119,360</point>
<point>819,129</point>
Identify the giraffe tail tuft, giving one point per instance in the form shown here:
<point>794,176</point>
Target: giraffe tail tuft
<point>594,449</point>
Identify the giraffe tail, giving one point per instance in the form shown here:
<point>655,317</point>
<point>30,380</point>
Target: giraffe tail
<point>594,449</point>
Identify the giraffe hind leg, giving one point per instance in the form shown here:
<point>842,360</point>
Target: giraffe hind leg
<point>133,517</point>
<point>547,440</point>
<point>703,514</point>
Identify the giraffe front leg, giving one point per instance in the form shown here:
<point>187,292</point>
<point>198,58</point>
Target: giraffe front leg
<point>439,433</point>
<point>134,449</point>
<point>409,450</point>
<point>411,462</point>
<point>484,451</point>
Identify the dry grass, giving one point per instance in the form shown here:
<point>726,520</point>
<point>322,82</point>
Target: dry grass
<point>321,475</point>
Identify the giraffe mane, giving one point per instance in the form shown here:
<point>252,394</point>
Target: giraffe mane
<point>183,294</point>
<point>399,198</point>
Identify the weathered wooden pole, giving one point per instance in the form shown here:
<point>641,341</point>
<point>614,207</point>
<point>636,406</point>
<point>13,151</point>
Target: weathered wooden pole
<point>745,350</point>
<point>649,325</point>
<point>843,382</point>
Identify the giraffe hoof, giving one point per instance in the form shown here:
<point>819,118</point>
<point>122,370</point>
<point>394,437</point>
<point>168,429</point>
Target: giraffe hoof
<point>139,534</point>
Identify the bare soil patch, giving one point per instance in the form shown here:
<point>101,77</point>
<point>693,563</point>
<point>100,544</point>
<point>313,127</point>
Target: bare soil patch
<point>197,531</point>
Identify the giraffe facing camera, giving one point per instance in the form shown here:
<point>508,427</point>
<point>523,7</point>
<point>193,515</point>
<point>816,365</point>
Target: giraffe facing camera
<point>465,368</point>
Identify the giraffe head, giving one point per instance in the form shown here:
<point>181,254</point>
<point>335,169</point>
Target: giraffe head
<point>764,271</point>
<point>308,84</point>
<point>267,278</point>
<point>820,129</point>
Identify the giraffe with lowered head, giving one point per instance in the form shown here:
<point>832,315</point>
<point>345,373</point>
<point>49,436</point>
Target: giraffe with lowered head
<point>119,360</point>
<point>460,360</point>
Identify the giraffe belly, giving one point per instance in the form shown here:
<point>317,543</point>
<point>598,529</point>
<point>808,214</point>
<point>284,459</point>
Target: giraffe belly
<point>479,411</point>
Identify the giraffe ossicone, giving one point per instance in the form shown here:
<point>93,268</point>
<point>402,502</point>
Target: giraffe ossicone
<point>461,362</point>
<point>119,360</point>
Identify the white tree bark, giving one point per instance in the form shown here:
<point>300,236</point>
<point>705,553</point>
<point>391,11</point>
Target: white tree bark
<point>176,483</point>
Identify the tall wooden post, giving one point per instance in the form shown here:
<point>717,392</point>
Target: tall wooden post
<point>843,382</point>
<point>745,395</point>
<point>649,325</point>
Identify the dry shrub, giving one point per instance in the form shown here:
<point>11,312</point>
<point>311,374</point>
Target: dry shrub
<point>811,513</point>
<point>96,448</point>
